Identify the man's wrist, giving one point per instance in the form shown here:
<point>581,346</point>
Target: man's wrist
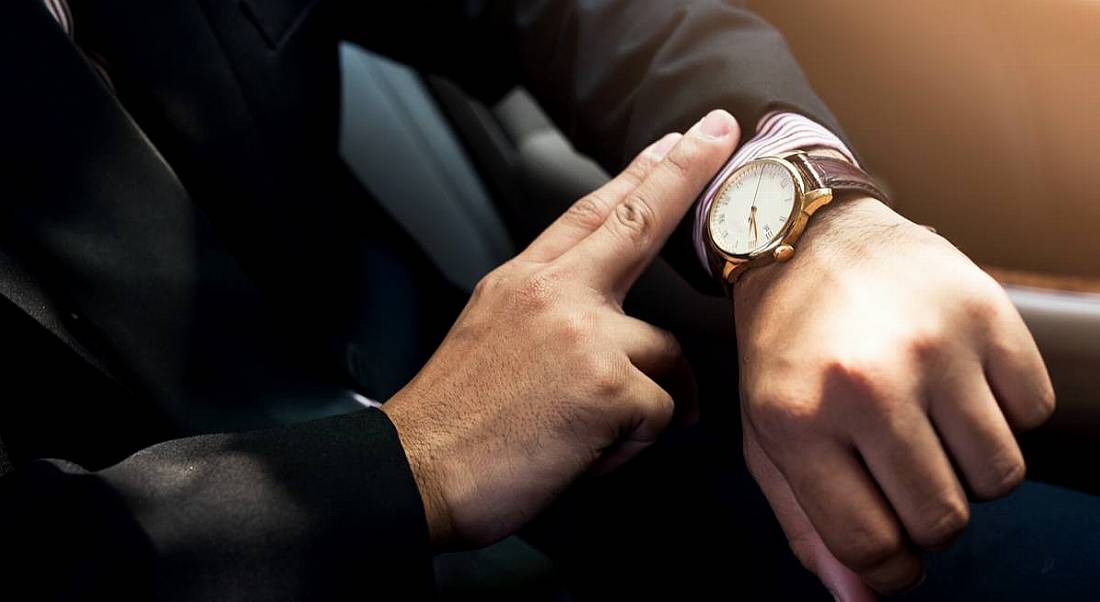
<point>428,477</point>
<point>851,216</point>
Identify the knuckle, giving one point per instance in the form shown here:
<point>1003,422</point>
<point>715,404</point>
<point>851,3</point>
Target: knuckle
<point>1005,474</point>
<point>994,291</point>
<point>925,347</point>
<point>606,378</point>
<point>1000,349</point>
<point>1040,410</point>
<point>635,217</point>
<point>679,163</point>
<point>869,549</point>
<point>862,381</point>
<point>588,212</point>
<point>1034,400</point>
<point>660,408</point>
<point>778,418</point>
<point>572,328</point>
<point>1046,403</point>
<point>535,292</point>
<point>489,284</point>
<point>670,345</point>
<point>854,374</point>
<point>946,522</point>
<point>984,305</point>
<point>636,172</point>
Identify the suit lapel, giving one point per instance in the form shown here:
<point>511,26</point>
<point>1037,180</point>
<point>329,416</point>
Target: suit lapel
<point>251,132</point>
<point>102,219</point>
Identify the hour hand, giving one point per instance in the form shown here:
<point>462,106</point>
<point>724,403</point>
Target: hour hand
<point>752,222</point>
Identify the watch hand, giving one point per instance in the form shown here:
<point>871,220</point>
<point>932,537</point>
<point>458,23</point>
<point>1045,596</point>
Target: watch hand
<point>757,193</point>
<point>752,222</point>
<point>752,210</point>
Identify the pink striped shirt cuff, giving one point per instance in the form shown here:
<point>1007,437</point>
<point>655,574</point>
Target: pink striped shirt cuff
<point>60,11</point>
<point>778,132</point>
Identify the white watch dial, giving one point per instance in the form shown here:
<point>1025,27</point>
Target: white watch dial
<point>752,208</point>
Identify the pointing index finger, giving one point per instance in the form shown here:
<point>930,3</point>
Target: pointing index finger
<point>613,256</point>
<point>587,214</point>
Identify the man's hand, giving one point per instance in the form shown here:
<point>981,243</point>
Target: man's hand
<point>543,376</point>
<point>872,366</point>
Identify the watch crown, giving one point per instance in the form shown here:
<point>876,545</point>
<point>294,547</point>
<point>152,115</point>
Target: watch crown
<point>783,253</point>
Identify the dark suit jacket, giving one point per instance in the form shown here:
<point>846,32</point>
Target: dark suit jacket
<point>204,248</point>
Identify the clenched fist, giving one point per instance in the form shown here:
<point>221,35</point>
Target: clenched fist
<point>543,377</point>
<point>882,376</point>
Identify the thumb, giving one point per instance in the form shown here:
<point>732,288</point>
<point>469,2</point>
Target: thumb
<point>805,542</point>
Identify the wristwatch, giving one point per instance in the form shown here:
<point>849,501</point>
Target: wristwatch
<point>759,211</point>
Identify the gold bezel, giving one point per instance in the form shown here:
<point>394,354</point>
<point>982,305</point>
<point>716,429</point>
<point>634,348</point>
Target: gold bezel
<point>795,221</point>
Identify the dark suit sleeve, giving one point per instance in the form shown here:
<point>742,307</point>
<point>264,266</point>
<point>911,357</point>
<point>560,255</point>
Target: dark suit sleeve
<point>614,75</point>
<point>322,510</point>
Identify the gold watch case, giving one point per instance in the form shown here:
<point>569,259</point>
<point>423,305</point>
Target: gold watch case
<point>782,246</point>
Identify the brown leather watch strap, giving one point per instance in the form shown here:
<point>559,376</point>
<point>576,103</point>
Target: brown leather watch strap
<point>839,175</point>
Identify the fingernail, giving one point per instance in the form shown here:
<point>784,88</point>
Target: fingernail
<point>660,148</point>
<point>716,125</point>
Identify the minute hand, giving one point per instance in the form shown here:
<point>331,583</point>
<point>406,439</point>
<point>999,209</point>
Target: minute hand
<point>752,210</point>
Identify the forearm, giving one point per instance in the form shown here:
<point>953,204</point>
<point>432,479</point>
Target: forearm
<point>618,75</point>
<point>272,514</point>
